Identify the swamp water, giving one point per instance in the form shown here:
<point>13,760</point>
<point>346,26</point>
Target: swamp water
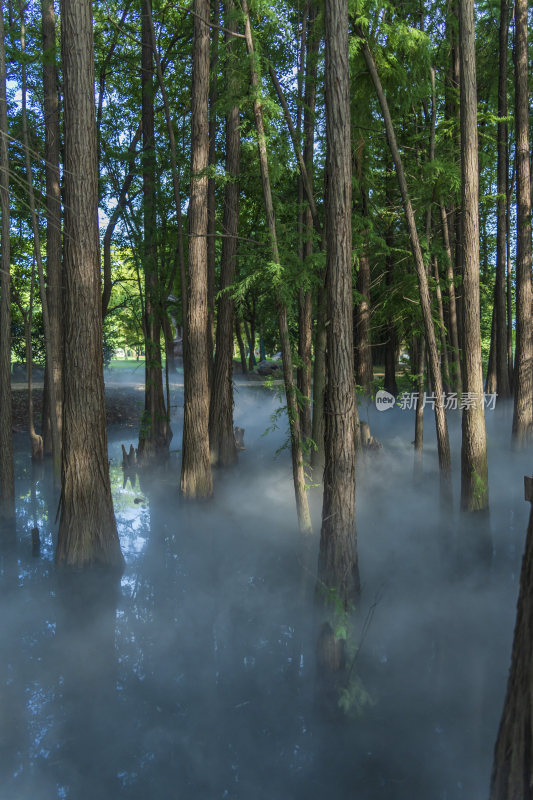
<point>193,676</point>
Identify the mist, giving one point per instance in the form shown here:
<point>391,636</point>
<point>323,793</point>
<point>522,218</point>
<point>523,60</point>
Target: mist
<point>193,675</point>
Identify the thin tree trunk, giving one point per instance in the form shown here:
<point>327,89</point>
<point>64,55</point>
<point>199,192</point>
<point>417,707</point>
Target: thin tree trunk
<point>221,436</point>
<point>443,347</point>
<point>7,478</point>
<point>196,478</point>
<point>452,307</point>
<point>240,342</point>
<point>175,176</point>
<point>337,562</point>
<point>87,529</point>
<point>500,311</point>
<point>56,447</point>
<point>211,198</point>
<point>305,301</point>
<point>155,433</point>
<point>53,220</point>
<point>474,467</point>
<point>302,506</point>
<point>443,444</point>
<point>523,383</point>
<point>419,413</point>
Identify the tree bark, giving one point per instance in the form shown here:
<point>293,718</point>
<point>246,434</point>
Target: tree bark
<point>500,310</point>
<point>53,220</point>
<point>452,306</point>
<point>523,382</point>
<point>211,197</point>
<point>87,529</point>
<point>221,436</point>
<point>474,467</point>
<point>52,405</point>
<point>196,477</point>
<point>7,478</point>
<point>155,433</point>
<point>337,562</point>
<point>302,506</point>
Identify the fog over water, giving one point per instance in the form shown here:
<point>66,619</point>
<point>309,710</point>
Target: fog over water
<point>194,676</point>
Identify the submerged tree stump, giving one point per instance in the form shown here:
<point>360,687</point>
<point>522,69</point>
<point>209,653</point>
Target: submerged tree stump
<point>512,774</point>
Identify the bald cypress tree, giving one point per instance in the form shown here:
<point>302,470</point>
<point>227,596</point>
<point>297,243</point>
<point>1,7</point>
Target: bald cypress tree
<point>87,529</point>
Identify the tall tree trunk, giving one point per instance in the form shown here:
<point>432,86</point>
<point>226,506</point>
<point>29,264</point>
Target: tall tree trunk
<point>87,529</point>
<point>474,467</point>
<point>500,310</point>
<point>305,301</point>
<point>53,219</point>
<point>211,198</point>
<point>302,506</point>
<point>509,296</point>
<point>443,347</point>
<point>196,478</point>
<point>52,406</point>
<point>221,437</point>
<point>364,370</point>
<point>452,305</point>
<point>337,562</point>
<point>7,478</point>
<point>443,444</point>
<point>391,341</point>
<point>155,433</point>
<point>512,771</point>
<point>523,382</point>
<point>175,180</point>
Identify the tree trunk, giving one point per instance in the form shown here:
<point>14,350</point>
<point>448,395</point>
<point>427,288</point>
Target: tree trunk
<point>443,444</point>
<point>452,307</point>
<point>53,221</point>
<point>240,342</point>
<point>305,297</point>
<point>337,563</point>
<point>443,347</point>
<point>474,468</point>
<point>7,479</point>
<point>221,436</point>
<point>500,310</point>
<point>155,433</point>
<point>211,198</point>
<point>196,478</point>
<point>364,369</point>
<point>523,382</point>
<point>302,506</point>
<point>87,529</point>
<point>391,342</point>
<point>512,771</point>
<point>52,405</point>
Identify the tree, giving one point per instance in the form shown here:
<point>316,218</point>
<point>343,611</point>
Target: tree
<point>474,468</point>
<point>87,528</point>
<point>53,217</point>
<point>155,433</point>
<point>221,438</point>
<point>196,478</point>
<point>443,443</point>
<point>523,382</point>
<point>302,505</point>
<point>337,562</point>
<point>7,478</point>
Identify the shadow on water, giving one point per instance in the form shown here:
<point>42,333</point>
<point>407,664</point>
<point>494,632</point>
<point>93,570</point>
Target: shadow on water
<point>193,674</point>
